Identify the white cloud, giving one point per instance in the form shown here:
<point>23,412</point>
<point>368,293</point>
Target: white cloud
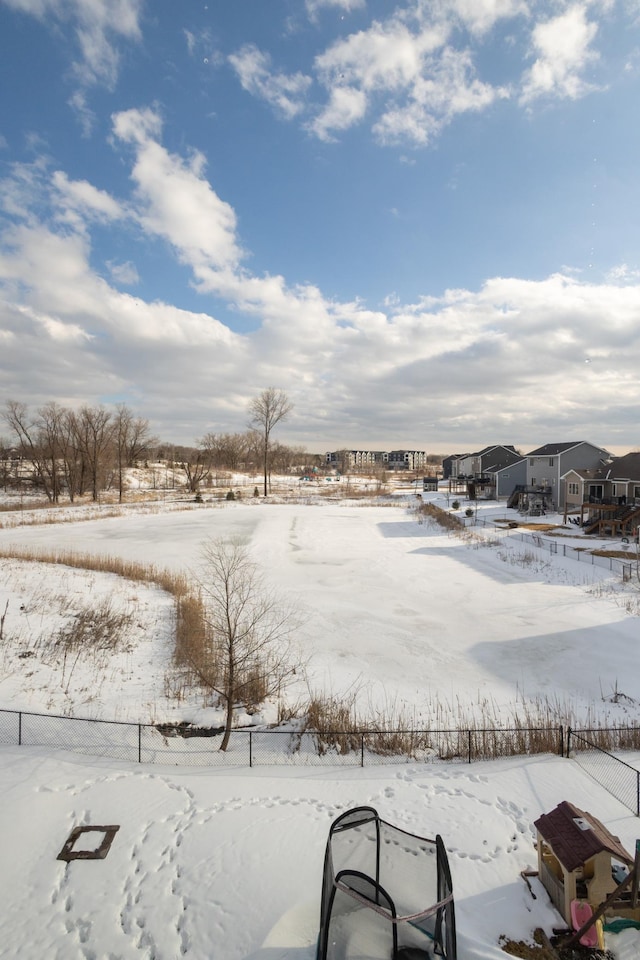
<point>346,106</point>
<point>124,273</point>
<point>285,93</point>
<point>402,71</point>
<point>436,100</point>
<point>81,198</point>
<point>562,49</point>
<point>479,16</point>
<point>623,273</point>
<point>313,6</point>
<point>175,201</point>
<point>99,24</point>
<point>505,361</point>
<point>84,114</point>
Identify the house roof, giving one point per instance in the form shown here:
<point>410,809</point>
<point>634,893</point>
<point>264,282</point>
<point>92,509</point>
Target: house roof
<point>513,463</point>
<point>576,836</point>
<point>597,473</point>
<point>500,457</point>
<point>625,468</point>
<point>553,449</point>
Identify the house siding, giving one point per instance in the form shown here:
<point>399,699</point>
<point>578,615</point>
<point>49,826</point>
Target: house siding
<point>542,473</point>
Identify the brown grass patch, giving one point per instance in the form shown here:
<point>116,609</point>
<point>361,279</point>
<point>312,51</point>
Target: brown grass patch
<point>616,554</point>
<point>539,527</point>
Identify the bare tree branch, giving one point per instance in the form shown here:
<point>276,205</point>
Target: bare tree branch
<point>265,411</point>
<point>248,655</point>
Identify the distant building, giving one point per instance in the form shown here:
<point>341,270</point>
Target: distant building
<point>354,459</point>
<point>392,460</point>
<point>407,459</point>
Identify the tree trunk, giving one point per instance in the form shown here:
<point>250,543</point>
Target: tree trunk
<point>227,726</point>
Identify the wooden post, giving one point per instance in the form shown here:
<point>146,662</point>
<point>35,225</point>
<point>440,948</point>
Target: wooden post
<point>636,876</point>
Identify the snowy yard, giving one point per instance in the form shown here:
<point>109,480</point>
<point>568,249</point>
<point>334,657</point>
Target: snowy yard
<point>211,863</point>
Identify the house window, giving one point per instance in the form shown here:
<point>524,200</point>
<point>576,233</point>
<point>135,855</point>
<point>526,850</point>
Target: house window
<point>550,461</point>
<point>573,490</point>
<point>531,461</point>
<point>614,490</point>
<point>636,493</point>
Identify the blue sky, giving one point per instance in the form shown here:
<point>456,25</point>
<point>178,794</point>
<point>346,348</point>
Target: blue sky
<point>419,219</point>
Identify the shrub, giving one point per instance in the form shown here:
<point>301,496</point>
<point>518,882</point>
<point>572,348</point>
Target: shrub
<point>455,505</point>
<point>230,496</point>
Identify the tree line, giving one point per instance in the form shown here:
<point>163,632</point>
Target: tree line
<point>75,453</point>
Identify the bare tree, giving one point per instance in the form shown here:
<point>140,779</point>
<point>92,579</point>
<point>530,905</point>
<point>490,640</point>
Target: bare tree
<point>132,439</point>
<point>265,411</point>
<point>247,654</point>
<point>94,435</point>
<point>38,442</point>
<point>228,450</point>
<point>196,463</point>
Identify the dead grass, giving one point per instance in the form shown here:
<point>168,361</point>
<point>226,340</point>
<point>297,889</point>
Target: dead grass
<point>617,554</point>
<point>189,617</point>
<point>449,521</point>
<point>95,628</point>
<point>539,527</point>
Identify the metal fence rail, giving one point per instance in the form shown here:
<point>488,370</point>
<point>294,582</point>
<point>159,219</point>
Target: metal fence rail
<point>617,777</point>
<point>146,743</point>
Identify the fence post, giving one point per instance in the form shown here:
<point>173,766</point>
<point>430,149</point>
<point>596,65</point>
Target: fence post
<point>561,738</point>
<point>568,742</point>
<point>20,729</point>
<point>250,748</point>
<point>139,743</point>
<point>362,749</point>
<point>469,744</point>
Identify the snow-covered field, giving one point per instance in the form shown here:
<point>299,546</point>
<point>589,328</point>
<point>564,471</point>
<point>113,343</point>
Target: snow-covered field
<point>402,615</point>
<point>228,864</point>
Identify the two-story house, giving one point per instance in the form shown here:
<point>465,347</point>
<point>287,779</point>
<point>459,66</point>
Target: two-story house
<point>546,466</point>
<point>607,497</point>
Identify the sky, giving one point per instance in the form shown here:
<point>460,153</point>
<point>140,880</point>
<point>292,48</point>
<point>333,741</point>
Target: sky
<point>418,219</point>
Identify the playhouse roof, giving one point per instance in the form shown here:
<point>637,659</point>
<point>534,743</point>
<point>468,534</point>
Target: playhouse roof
<point>575,836</point>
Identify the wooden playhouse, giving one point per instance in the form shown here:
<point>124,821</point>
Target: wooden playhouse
<point>579,859</point>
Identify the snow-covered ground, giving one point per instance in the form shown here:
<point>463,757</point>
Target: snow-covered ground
<point>227,864</point>
<point>407,618</point>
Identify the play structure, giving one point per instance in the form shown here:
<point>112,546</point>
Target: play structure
<point>588,874</point>
<point>386,893</point>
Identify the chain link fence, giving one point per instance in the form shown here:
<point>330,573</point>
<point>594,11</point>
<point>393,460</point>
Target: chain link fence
<point>177,745</point>
<point>618,777</point>
<point>623,568</point>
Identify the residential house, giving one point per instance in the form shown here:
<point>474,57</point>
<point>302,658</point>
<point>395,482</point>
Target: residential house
<point>546,466</point>
<point>510,480</point>
<point>485,460</point>
<point>450,464</point>
<point>475,472</point>
<point>607,497</point>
